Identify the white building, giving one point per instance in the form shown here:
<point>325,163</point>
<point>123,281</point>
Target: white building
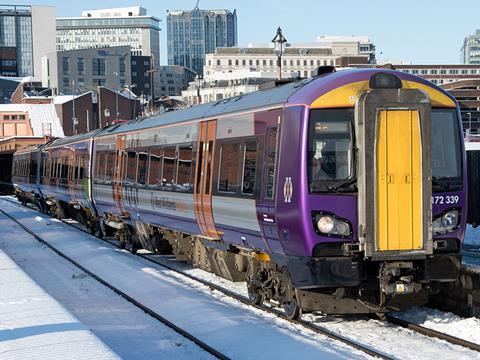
<point>470,51</point>
<point>303,58</point>
<point>220,86</point>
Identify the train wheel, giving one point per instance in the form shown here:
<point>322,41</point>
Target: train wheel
<point>292,309</point>
<point>255,297</point>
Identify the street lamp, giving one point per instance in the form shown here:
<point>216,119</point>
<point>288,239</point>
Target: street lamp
<point>74,118</point>
<point>278,42</point>
<point>106,112</point>
<point>469,125</point>
<point>198,84</point>
<point>116,94</point>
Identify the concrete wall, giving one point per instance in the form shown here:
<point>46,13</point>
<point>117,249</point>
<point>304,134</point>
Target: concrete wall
<point>462,297</point>
<point>44,35</point>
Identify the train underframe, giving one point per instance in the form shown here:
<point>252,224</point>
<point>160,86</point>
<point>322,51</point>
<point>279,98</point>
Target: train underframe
<point>339,285</point>
<point>332,285</point>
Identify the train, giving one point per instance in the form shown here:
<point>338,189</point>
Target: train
<point>343,193</point>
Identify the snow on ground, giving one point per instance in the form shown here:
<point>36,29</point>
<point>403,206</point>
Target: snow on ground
<point>472,236</point>
<point>127,330</point>
<point>221,322</point>
<point>35,326</point>
<point>445,322</point>
<point>393,340</point>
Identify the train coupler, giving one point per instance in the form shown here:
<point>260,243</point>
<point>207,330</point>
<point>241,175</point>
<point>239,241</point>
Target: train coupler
<point>397,278</point>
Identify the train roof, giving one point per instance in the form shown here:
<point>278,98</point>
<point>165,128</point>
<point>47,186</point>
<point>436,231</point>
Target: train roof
<point>297,92</point>
<point>263,98</point>
<point>76,138</point>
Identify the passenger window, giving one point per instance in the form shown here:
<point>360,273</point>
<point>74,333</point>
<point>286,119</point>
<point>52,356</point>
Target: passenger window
<point>110,165</point>
<point>249,167</point>
<point>184,177</point>
<point>142,167</point>
<point>271,160</point>
<point>131,166</point>
<point>155,173</point>
<point>209,167</point>
<point>100,165</point>
<point>229,160</point>
<point>169,159</point>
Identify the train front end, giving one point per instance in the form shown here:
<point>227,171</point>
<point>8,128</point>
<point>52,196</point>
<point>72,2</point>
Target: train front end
<point>384,201</point>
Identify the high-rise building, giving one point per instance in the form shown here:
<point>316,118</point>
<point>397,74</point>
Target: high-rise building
<point>26,34</point>
<point>130,26</point>
<point>192,34</point>
<point>470,52</point>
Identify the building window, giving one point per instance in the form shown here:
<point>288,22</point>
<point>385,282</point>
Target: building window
<point>134,62</point>
<point>257,62</point>
<point>229,62</point>
<point>14,117</point>
<point>250,62</point>
<point>99,82</point>
<point>6,117</point>
<point>80,66</point>
<point>98,66</point>
<point>264,62</point>
<point>122,66</point>
<point>244,62</point>
<point>218,62</point>
<point>236,62</point>
<point>424,72</point>
<point>81,82</point>
<point>65,65</point>
<point>21,117</point>
<point>433,72</point>
<point>146,63</point>
<point>271,62</point>
<point>304,62</point>
<point>66,83</point>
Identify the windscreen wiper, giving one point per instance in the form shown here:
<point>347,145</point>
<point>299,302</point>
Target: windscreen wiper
<point>437,181</point>
<point>342,185</point>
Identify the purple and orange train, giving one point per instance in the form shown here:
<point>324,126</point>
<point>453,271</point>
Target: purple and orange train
<point>344,193</point>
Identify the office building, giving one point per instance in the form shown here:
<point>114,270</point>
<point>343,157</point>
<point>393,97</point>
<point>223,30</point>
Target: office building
<point>76,71</point>
<point>470,51</point>
<point>130,26</point>
<point>192,34</point>
<point>26,34</point>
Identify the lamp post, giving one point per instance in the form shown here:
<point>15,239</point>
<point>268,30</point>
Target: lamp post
<point>469,125</point>
<point>116,94</point>
<point>198,85</point>
<point>74,118</point>
<point>278,42</point>
<point>106,112</point>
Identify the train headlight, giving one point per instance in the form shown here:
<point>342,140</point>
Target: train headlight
<point>446,222</point>
<point>327,224</point>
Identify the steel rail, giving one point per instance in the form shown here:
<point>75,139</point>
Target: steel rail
<point>146,309</point>
<point>432,333</point>
<point>315,328</point>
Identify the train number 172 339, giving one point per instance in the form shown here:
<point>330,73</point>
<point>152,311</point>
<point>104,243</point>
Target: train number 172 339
<point>439,200</point>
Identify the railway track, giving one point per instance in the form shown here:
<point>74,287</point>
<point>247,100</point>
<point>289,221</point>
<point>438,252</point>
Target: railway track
<point>306,324</point>
<point>163,320</point>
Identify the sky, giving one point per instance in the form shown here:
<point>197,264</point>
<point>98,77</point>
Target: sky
<point>418,31</point>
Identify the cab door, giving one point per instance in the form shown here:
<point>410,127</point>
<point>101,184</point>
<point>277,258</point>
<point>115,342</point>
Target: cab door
<point>203,178</point>
<point>399,180</point>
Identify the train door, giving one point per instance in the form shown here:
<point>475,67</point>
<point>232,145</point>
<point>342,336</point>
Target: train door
<point>393,137</point>
<point>266,204</point>
<point>203,178</point>
<point>118,173</point>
